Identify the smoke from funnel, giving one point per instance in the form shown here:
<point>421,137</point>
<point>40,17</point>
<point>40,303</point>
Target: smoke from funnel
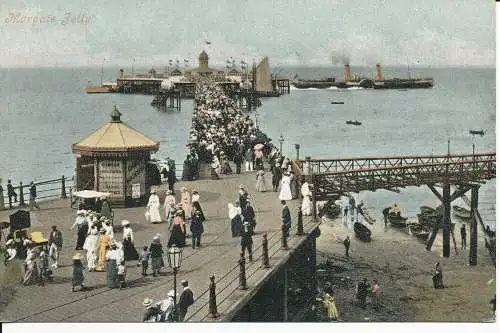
<point>339,59</point>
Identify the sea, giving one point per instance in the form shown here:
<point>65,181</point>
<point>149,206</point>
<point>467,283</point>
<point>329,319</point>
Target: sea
<point>43,111</point>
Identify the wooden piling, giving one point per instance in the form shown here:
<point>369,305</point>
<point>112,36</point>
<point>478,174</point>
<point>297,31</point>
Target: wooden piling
<point>473,227</point>
<point>446,220</point>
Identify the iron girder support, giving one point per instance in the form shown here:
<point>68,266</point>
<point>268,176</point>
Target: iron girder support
<point>473,226</point>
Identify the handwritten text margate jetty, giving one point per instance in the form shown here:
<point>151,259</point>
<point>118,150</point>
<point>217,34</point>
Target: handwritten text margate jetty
<point>67,18</point>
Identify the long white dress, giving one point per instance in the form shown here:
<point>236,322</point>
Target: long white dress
<point>91,247</point>
<point>169,202</point>
<point>306,202</point>
<point>285,193</point>
<point>186,203</point>
<point>154,208</point>
<point>261,181</point>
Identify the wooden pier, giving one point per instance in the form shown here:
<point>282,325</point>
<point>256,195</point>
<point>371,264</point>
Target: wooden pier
<point>218,255</point>
<point>333,178</point>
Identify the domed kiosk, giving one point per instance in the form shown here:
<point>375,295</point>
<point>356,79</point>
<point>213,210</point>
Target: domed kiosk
<point>114,158</point>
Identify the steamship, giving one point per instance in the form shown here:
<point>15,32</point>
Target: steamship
<point>396,83</point>
<point>349,82</point>
<point>355,81</point>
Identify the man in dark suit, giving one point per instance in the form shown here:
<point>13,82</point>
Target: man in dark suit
<point>55,245</point>
<point>186,299</point>
<point>277,175</point>
<point>11,193</point>
<point>249,215</point>
<point>286,218</point>
<point>33,202</point>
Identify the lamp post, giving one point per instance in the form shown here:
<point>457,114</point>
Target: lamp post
<point>281,140</point>
<point>174,261</point>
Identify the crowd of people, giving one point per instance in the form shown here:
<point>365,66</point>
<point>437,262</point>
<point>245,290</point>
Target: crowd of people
<point>221,133</point>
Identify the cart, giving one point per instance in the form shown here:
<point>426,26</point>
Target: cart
<point>86,199</point>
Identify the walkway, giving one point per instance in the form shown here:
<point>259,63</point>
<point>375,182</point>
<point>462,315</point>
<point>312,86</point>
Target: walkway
<point>218,256</point>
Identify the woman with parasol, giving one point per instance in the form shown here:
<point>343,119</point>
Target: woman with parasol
<point>259,155</point>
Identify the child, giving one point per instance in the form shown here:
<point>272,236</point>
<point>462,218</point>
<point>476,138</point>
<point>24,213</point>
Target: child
<point>44,267</point>
<point>144,260</point>
<point>122,271</point>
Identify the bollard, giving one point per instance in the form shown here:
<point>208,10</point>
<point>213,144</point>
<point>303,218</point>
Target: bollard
<point>21,195</point>
<point>284,243</point>
<point>63,187</point>
<point>212,301</point>
<point>300,224</point>
<point>265,252</point>
<point>2,203</point>
<point>243,277</point>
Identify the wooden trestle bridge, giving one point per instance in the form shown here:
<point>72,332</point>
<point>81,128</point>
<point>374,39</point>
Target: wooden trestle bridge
<point>333,178</point>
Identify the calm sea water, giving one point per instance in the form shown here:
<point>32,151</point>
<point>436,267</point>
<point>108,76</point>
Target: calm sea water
<point>44,111</point>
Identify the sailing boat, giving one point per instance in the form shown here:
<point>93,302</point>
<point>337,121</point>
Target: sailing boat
<point>101,88</point>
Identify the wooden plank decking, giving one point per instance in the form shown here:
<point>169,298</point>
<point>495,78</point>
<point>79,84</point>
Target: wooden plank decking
<point>218,256</point>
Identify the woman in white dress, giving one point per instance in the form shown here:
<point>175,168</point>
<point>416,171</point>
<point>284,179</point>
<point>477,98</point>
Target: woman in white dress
<point>285,192</point>
<point>186,202</point>
<point>153,208</point>
<point>306,201</point>
<point>90,246</point>
<point>261,181</point>
<point>168,204</point>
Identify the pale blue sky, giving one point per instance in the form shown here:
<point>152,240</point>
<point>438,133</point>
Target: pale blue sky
<point>294,32</point>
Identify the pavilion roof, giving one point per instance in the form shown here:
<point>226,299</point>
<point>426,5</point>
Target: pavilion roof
<point>115,136</point>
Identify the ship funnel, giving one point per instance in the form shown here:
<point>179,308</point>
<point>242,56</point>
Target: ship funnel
<point>347,73</point>
<point>378,74</point>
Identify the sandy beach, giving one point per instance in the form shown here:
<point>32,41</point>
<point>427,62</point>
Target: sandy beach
<point>404,270</point>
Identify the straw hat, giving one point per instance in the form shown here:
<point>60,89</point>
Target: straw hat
<point>77,256</point>
<point>80,212</point>
<point>148,302</point>
<point>242,186</point>
<point>169,192</point>
<point>153,190</point>
<point>102,218</point>
<point>156,237</point>
<point>171,293</point>
<point>125,223</point>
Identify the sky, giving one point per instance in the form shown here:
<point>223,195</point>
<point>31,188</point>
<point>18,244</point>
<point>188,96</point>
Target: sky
<point>68,33</point>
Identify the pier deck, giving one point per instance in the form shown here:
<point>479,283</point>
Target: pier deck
<point>218,256</point>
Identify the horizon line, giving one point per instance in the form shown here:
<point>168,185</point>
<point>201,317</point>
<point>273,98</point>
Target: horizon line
<point>272,66</point>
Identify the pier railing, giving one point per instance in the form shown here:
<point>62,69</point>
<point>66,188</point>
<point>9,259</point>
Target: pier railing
<point>228,284</point>
<point>458,169</point>
<point>346,164</point>
<point>57,188</point>
<point>45,190</point>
